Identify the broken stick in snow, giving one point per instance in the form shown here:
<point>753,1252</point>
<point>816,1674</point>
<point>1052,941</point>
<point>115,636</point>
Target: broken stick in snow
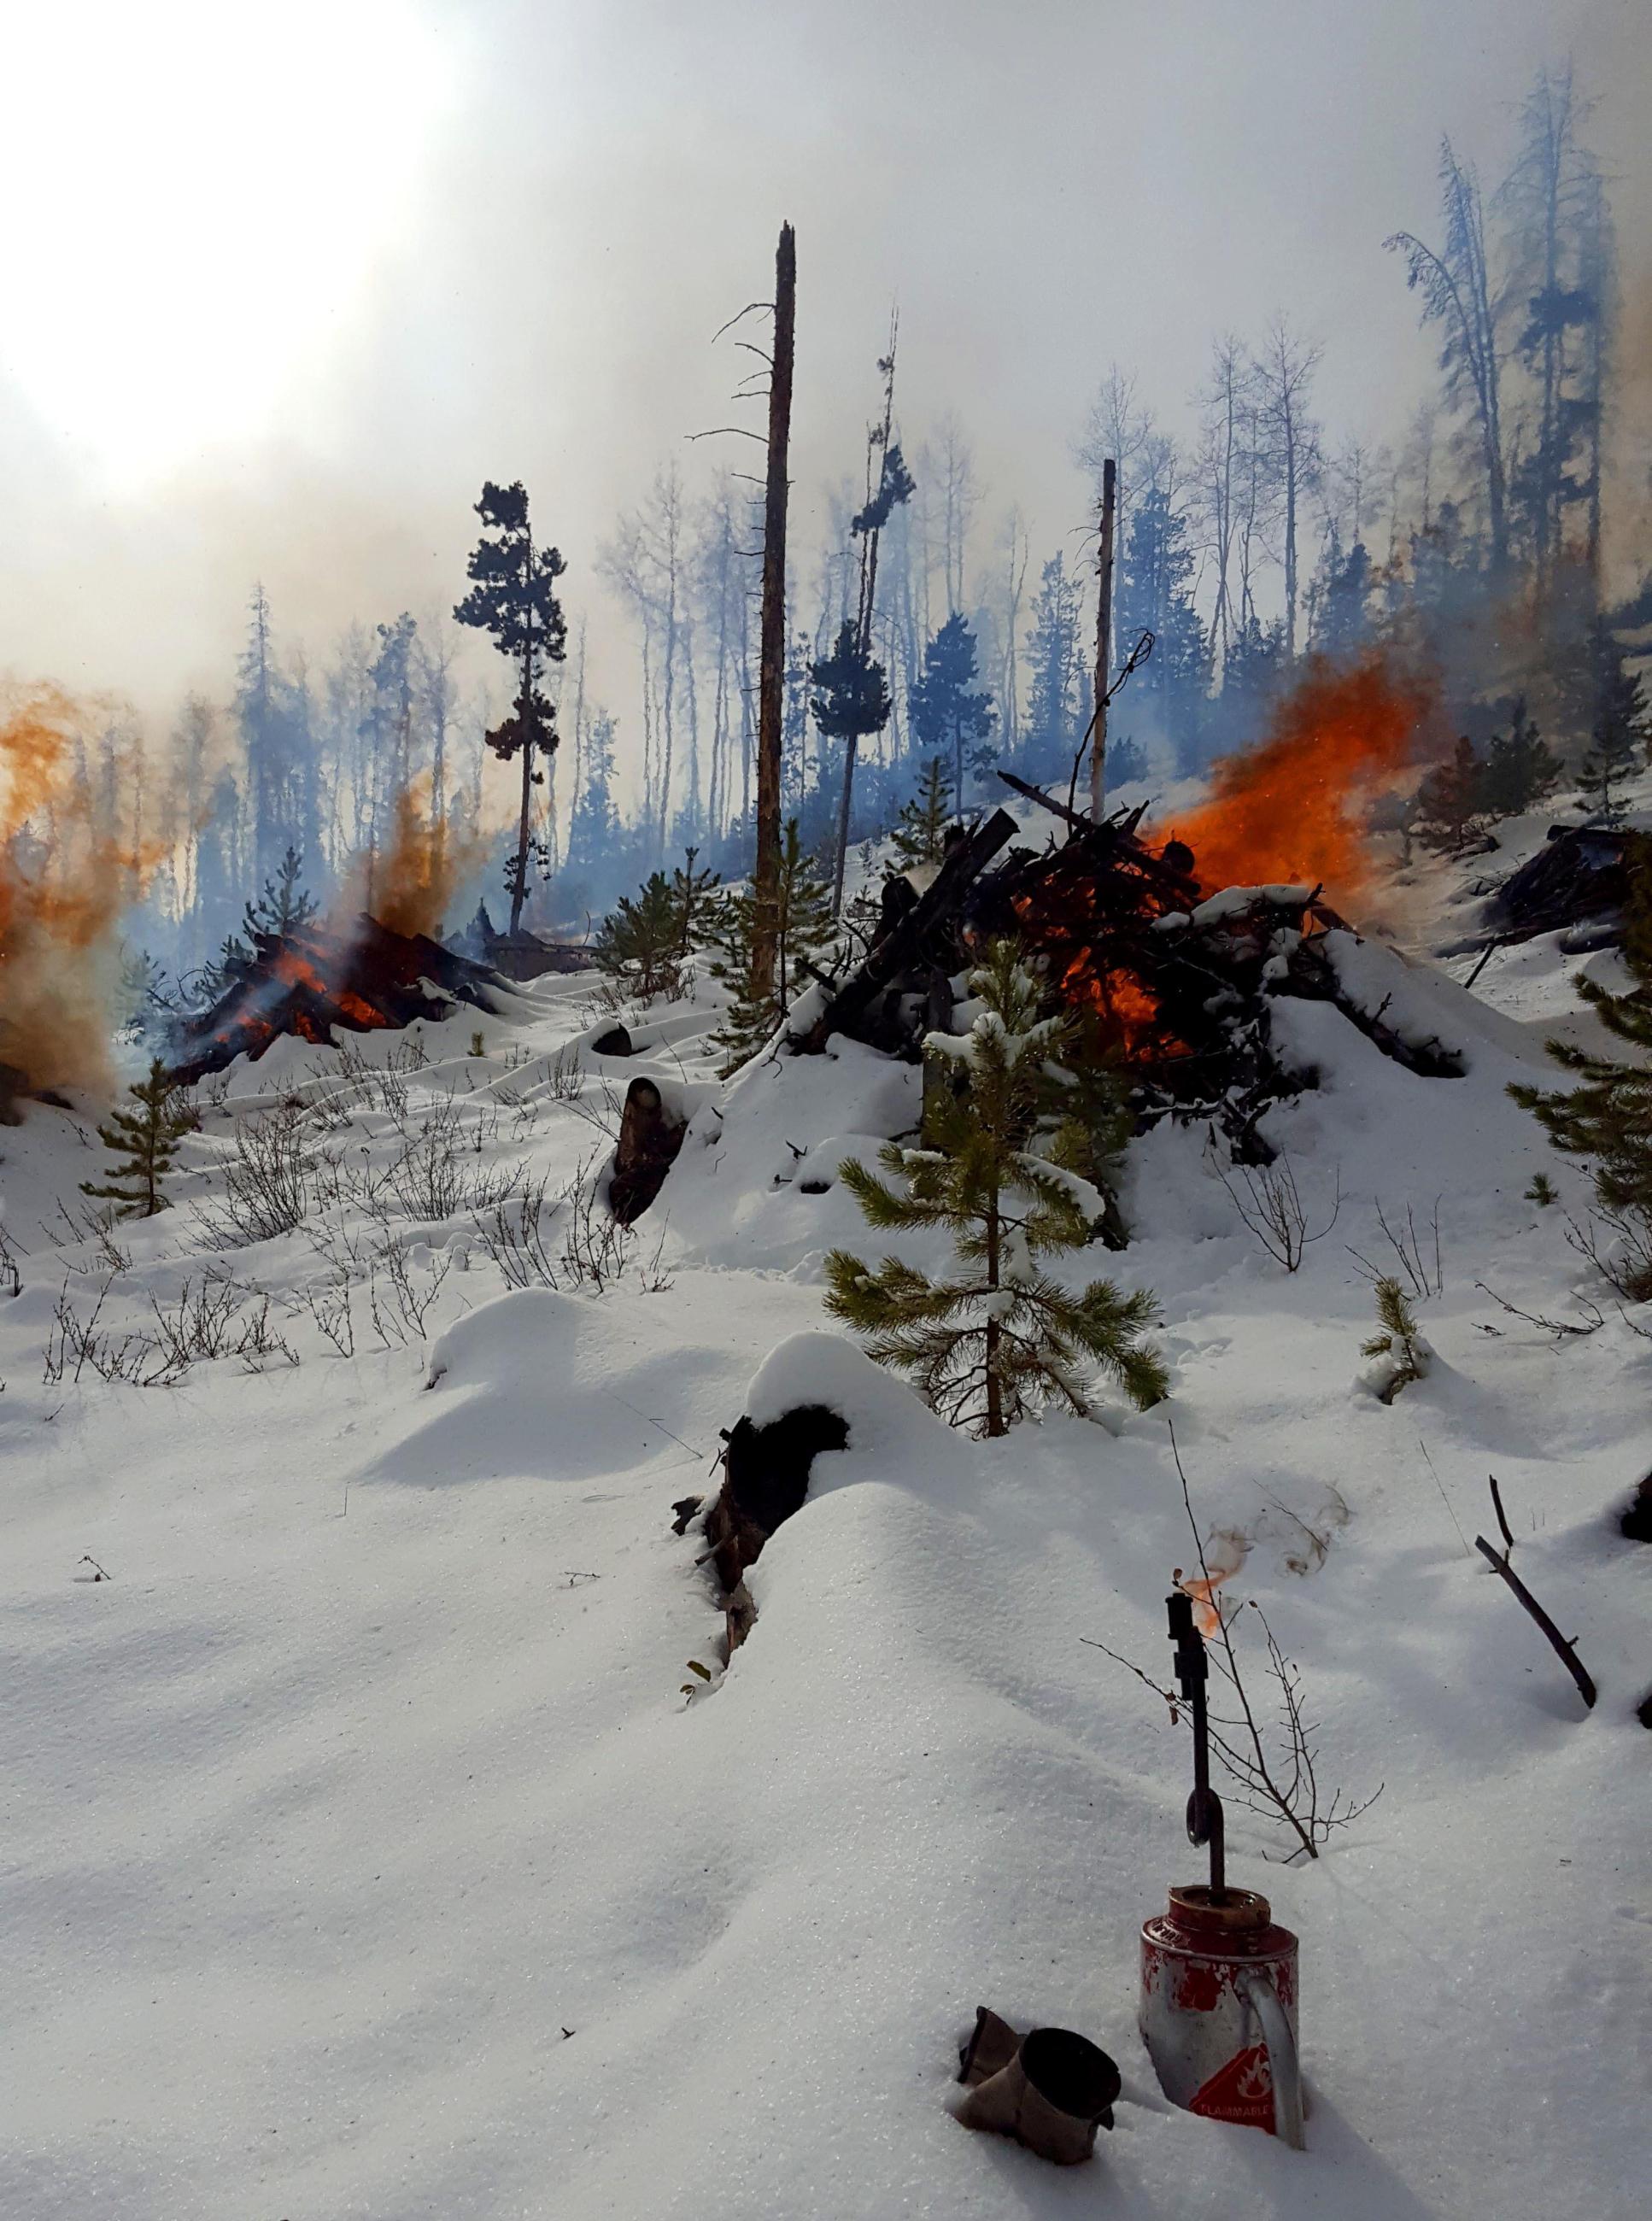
<point>1563,1650</point>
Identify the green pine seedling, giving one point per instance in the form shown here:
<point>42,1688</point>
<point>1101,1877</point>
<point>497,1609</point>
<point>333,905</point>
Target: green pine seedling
<point>1000,1337</point>
<point>145,1141</point>
<point>1400,1340</point>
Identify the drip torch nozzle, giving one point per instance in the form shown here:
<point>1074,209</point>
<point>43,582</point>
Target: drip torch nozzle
<point>1192,1671</point>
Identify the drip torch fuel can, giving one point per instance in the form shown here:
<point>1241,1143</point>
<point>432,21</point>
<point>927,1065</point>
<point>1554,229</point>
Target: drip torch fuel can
<point>1219,2010</point>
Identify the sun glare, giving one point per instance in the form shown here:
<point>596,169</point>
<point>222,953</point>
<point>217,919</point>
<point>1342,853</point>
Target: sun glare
<point>195,191</point>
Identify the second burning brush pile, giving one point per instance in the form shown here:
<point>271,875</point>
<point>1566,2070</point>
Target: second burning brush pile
<point>307,981</point>
<point>1176,981</point>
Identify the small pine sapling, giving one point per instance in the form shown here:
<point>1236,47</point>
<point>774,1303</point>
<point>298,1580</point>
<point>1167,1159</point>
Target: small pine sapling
<point>1451,800</point>
<point>919,836</point>
<point>144,1143</point>
<point>694,893</point>
<point>1000,1337</point>
<point>1520,770</point>
<point>1397,1353</point>
<point>1543,1191</point>
<point>284,905</point>
<point>804,934</point>
<point>639,944</point>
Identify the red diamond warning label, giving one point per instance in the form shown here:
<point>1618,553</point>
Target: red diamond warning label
<point>1241,2091</point>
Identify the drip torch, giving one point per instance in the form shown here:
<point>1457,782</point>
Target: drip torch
<point>1219,2011</point>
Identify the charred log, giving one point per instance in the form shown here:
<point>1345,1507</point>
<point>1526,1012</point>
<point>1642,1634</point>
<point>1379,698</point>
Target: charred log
<point>1579,878</point>
<point>765,1474</point>
<point>650,1136</point>
<point>851,1009</point>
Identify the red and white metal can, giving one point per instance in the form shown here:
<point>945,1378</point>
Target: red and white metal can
<point>1219,2009</point>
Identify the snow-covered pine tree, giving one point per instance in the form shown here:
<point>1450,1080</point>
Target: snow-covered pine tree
<point>804,932</point>
<point>999,1337</point>
<point>145,1142</point>
<point>1399,1353</point>
<point>1608,1116</point>
<point>919,834</point>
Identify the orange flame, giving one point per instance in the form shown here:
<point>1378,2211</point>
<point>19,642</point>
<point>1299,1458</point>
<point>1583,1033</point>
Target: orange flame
<point>67,874</point>
<point>1294,807</point>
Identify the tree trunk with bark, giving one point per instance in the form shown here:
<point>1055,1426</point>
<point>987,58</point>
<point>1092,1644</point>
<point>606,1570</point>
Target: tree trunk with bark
<point>772,666</point>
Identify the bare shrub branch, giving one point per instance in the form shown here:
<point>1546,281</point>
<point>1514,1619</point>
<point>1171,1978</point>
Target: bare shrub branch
<point>1269,1202</point>
<point>1416,1252</point>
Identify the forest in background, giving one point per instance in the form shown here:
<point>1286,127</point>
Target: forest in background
<point>1471,542</point>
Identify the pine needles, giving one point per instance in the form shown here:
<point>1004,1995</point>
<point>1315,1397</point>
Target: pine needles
<point>1000,1336</point>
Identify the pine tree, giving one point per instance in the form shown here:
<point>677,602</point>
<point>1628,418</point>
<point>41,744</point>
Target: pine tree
<point>1451,800</point>
<point>145,1140</point>
<point>1001,1336</point>
<point>284,905</point>
<point>639,945</point>
<point>1156,594</point>
<point>1608,1116</point>
<point>1058,707</point>
<point>805,933</point>
<point>513,596</point>
<point>594,830</point>
<point>694,895</point>
<point>1520,769</point>
<point>946,714</point>
<point>919,836</point>
<point>850,698</point>
<point>1620,732</point>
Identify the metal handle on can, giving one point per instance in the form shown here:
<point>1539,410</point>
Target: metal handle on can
<point>1260,1994</point>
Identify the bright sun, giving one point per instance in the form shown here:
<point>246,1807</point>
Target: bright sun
<point>195,190</point>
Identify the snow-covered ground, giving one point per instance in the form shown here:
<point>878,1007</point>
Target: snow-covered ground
<point>364,1858</point>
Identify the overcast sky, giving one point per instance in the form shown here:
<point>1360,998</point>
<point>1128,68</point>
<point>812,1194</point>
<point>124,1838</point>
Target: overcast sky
<point>282,286</point>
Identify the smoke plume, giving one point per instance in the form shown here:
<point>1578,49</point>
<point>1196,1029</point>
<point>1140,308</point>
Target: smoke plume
<point>72,860</point>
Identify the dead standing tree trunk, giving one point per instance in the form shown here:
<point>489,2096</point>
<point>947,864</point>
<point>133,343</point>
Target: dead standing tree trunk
<point>771,683</point>
<point>1103,637</point>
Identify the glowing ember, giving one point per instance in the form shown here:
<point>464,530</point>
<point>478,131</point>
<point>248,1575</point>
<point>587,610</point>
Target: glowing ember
<point>1295,807</point>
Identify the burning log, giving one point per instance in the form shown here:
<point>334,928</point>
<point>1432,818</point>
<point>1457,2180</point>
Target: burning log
<point>310,980</point>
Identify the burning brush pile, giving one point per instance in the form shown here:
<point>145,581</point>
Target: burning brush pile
<point>1175,969</point>
<point>314,978</point>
